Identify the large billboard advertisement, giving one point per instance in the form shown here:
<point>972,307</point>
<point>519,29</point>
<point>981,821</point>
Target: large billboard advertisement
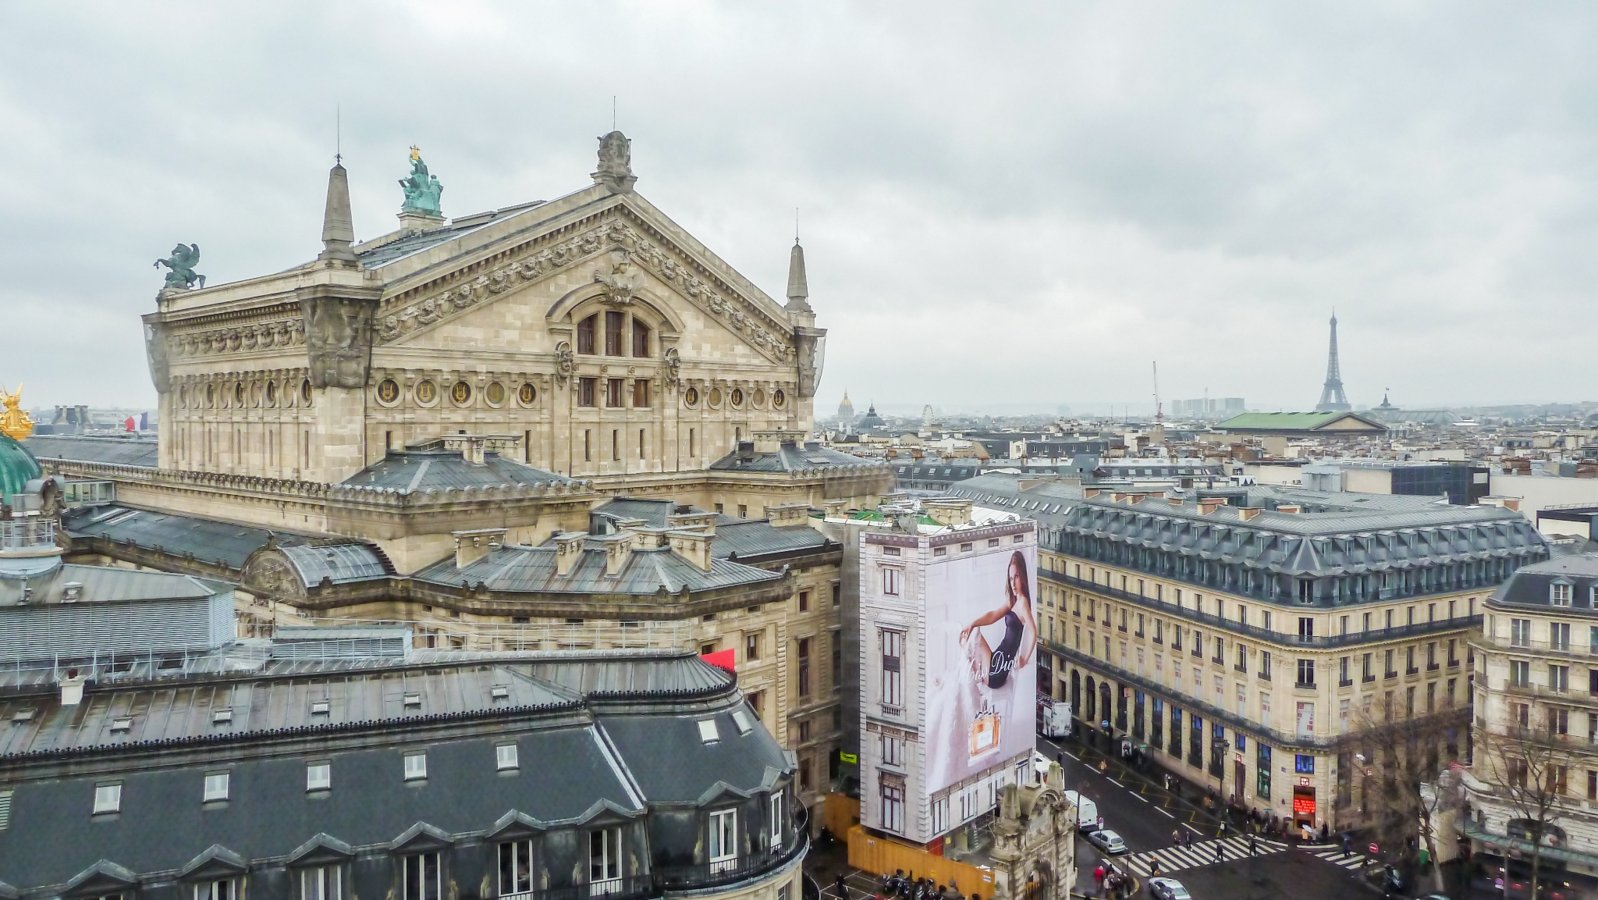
<point>982,642</point>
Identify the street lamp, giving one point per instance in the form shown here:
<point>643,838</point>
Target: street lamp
<point>1221,747</point>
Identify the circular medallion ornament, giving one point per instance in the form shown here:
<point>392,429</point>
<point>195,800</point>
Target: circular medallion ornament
<point>305,392</point>
<point>760,396</point>
<point>715,396</point>
<point>388,391</point>
<point>271,393</point>
<point>778,398</point>
<point>426,392</point>
<point>461,393</point>
<point>737,398</point>
<point>238,393</point>
<point>526,394</point>
<point>494,393</point>
<point>690,397</point>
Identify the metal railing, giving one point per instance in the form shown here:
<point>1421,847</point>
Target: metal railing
<point>1286,639</point>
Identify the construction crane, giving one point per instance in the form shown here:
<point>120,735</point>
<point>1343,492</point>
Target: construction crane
<point>1159,410</point>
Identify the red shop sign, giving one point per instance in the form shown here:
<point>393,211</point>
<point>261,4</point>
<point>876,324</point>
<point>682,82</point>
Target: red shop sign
<point>1303,806</point>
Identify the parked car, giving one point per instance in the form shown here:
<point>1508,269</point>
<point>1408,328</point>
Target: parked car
<point>1108,841</point>
<point>1168,889</point>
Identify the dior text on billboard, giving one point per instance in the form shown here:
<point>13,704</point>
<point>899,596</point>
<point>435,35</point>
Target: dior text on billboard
<point>982,639</point>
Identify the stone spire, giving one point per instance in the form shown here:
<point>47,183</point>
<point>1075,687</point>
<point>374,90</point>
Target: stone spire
<point>798,289</point>
<point>338,224</point>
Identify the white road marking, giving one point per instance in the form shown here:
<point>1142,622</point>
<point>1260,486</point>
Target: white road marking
<point>1164,813</point>
<point>1114,782</point>
<point>1139,798</point>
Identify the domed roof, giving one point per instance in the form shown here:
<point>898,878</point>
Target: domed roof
<point>17,467</point>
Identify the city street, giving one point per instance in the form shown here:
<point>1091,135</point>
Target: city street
<point>1145,816</point>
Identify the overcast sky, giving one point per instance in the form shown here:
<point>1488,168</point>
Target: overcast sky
<point>1001,203</point>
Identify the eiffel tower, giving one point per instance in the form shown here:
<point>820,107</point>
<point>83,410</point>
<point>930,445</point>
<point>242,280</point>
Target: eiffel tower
<point>1332,397</point>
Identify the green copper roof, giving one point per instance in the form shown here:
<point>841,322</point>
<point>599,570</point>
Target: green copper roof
<point>17,467</point>
<point>1287,421</point>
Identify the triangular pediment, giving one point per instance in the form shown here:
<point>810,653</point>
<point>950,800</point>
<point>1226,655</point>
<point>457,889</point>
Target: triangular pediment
<point>320,850</point>
<point>104,877</point>
<point>625,249</point>
<point>216,862</point>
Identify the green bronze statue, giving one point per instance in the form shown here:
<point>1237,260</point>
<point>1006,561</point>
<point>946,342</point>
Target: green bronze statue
<point>422,189</point>
<point>182,262</point>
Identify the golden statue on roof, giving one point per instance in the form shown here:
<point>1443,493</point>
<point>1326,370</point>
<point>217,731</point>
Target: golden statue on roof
<point>14,423</point>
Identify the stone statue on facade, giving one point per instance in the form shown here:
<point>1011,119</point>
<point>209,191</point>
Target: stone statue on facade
<point>15,423</point>
<point>422,189</point>
<point>338,342</point>
<point>565,362</point>
<point>673,361</point>
<point>615,163</point>
<point>182,262</point>
<point>620,278</point>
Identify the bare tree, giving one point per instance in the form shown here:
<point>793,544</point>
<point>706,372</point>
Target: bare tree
<point>1397,754</point>
<point>1527,767</point>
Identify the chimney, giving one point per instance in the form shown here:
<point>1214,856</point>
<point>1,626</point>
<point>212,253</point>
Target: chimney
<point>1090,493</point>
<point>471,546</point>
<point>1176,502</point>
<point>72,688</point>
<point>1209,505</point>
<point>693,546</point>
<point>568,551</point>
<point>746,451</point>
<point>1248,512</point>
<point>618,547</point>
<point>338,224</point>
<point>784,514</point>
<point>696,521</point>
<point>1291,509</point>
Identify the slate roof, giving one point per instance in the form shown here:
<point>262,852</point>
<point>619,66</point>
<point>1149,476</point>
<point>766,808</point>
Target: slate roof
<point>790,457</point>
<point>375,256</point>
<point>752,538</point>
<point>1531,586</point>
<point>207,540</point>
<point>516,569</point>
<point>409,471</point>
<point>1334,531</point>
<point>1291,421</point>
<point>581,752</point>
<point>339,562</point>
<point>104,584</point>
<point>653,513</point>
<point>90,448</point>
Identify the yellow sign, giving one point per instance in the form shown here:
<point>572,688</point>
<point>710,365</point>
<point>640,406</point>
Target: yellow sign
<point>851,758</point>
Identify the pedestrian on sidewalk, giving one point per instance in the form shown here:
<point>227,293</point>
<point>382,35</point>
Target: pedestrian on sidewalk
<point>1098,877</point>
<point>1167,782</point>
<point>1176,836</point>
<point>1253,845</point>
<point>1104,767</point>
<point>841,887</point>
<point>1154,868</point>
<point>1100,823</point>
<point>1348,840</point>
<point>1220,850</point>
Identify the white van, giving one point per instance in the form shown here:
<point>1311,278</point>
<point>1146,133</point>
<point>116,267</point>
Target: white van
<point>1087,812</point>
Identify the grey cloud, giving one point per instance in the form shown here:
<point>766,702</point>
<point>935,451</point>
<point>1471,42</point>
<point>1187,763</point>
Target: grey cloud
<point>1053,195</point>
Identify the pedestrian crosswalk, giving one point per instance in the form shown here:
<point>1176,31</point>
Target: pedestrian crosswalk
<point>1201,853</point>
<point>1334,855</point>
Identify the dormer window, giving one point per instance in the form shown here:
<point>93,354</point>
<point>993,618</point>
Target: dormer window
<point>708,733</point>
<point>412,701</point>
<point>1559,593</point>
<point>320,707</point>
<point>121,725</point>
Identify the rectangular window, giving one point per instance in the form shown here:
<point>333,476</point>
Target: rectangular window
<point>613,329</point>
<point>1559,678</point>
<point>1342,672</point>
<point>1520,632</point>
<point>322,883</point>
<point>318,776</point>
<point>585,335</point>
<point>505,757</point>
<point>215,889</point>
<point>421,876</point>
<point>640,340</point>
<point>1561,593</point>
<point>415,766</point>
<point>723,845</point>
<point>892,807</point>
<point>752,646</point>
<point>804,601</point>
<point>1391,671</point>
<point>586,390</point>
<point>1306,629</point>
<point>216,786</point>
<point>1519,673</point>
<point>604,860</point>
<point>802,655</point>
<point>1559,636</point>
<point>892,751</point>
<point>892,662</point>
<point>890,580</point>
<point>774,824</point>
<point>613,392</point>
<point>1306,673</point>
<point>516,867</point>
<point>1265,665</point>
<point>108,798</point>
<point>641,393</point>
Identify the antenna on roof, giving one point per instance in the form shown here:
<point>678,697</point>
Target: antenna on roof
<point>612,112</point>
<point>796,224</point>
<point>338,133</point>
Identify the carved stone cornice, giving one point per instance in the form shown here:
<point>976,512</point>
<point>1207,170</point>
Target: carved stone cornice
<point>540,258</point>
<point>246,338</point>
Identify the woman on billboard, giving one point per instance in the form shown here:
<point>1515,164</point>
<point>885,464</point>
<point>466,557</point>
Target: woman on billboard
<point>1020,629</point>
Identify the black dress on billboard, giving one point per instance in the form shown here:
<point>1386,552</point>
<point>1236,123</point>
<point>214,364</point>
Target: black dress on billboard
<point>1004,654</point>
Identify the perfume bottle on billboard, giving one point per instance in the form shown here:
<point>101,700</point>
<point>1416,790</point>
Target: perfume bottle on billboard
<point>985,733</point>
